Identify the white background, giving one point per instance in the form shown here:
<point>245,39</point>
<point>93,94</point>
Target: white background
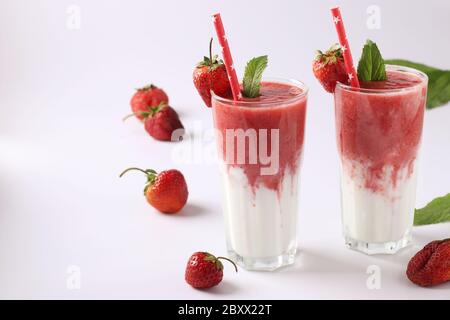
<point>63,93</point>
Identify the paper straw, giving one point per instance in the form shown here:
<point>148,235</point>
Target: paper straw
<point>348,60</point>
<point>227,59</point>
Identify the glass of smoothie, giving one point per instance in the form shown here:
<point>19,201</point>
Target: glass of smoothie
<point>260,142</point>
<point>379,129</point>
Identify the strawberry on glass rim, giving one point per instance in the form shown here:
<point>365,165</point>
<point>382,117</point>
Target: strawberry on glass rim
<point>329,68</point>
<point>145,97</point>
<point>211,74</point>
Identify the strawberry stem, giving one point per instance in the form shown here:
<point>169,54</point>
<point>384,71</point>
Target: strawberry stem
<point>151,111</point>
<point>210,49</point>
<point>158,108</point>
<point>128,116</point>
<point>232,262</point>
<point>150,173</point>
<point>147,87</point>
<point>131,169</point>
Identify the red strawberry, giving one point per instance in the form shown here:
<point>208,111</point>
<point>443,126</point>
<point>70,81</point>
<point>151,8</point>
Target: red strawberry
<point>204,270</point>
<point>145,97</point>
<point>431,265</point>
<point>329,68</point>
<point>161,122</point>
<point>211,74</point>
<point>166,191</point>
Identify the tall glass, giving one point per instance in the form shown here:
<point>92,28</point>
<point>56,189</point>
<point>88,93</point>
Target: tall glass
<point>260,144</point>
<point>378,132</point>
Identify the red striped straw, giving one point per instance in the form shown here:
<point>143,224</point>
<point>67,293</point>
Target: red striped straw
<point>337,19</point>
<point>227,59</point>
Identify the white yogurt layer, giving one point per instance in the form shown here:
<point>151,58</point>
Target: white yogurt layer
<point>260,223</point>
<point>377,217</point>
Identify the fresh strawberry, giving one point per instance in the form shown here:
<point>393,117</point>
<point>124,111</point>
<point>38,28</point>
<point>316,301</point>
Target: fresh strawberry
<point>145,97</point>
<point>431,265</point>
<point>329,68</point>
<point>166,191</point>
<point>204,270</point>
<point>211,74</point>
<point>161,122</point>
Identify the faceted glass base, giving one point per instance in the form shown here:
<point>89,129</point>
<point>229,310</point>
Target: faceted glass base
<point>263,264</point>
<point>378,248</point>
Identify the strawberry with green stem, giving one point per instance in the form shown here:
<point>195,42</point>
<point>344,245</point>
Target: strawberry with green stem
<point>211,75</point>
<point>145,97</point>
<point>204,270</point>
<point>166,191</point>
<point>163,123</point>
<point>329,68</point>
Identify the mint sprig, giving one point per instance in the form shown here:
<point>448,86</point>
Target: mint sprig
<point>253,75</point>
<point>438,82</point>
<point>371,65</point>
<point>437,211</point>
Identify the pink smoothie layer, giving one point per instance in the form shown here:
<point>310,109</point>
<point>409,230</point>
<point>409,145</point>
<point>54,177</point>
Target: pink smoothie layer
<point>285,111</point>
<point>380,129</point>
<point>395,80</point>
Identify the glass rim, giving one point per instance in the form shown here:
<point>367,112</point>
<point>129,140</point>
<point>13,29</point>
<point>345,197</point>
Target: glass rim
<point>390,67</point>
<point>245,104</point>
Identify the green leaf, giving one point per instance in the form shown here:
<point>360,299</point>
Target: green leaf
<point>438,82</point>
<point>437,211</point>
<point>410,64</point>
<point>253,75</point>
<point>371,65</point>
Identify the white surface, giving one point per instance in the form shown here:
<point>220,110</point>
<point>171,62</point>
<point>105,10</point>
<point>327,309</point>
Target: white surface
<point>63,93</point>
<point>261,221</point>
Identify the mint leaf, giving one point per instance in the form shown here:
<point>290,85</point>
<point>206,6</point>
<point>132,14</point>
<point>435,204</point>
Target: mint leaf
<point>438,82</point>
<point>253,75</point>
<point>371,65</point>
<point>437,211</point>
